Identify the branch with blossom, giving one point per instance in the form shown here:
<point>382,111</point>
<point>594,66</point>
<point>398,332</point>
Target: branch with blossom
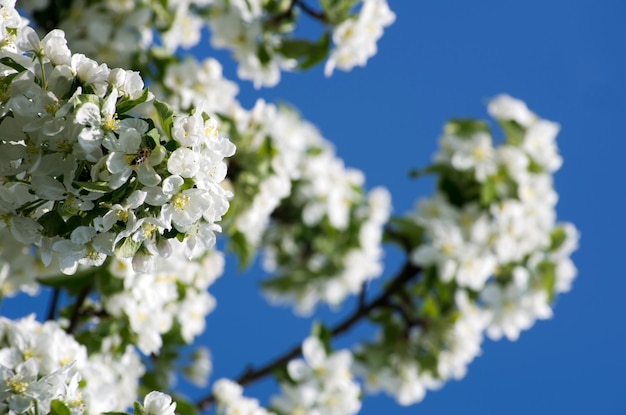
<point>114,196</point>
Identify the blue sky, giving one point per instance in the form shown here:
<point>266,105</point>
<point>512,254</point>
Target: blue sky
<point>443,59</point>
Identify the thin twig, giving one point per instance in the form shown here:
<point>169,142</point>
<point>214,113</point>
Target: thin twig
<point>316,14</point>
<point>251,374</point>
<point>76,313</point>
<point>54,301</point>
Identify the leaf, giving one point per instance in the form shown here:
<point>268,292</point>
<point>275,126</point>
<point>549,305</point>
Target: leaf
<point>52,223</point>
<point>337,11</point>
<point>127,248</point>
<point>126,105</point>
<point>59,408</point>
<point>320,331</point>
<point>513,131</point>
<point>466,127</point>
<point>306,52</point>
<point>153,138</point>
<point>85,98</point>
<point>11,63</point>
<point>489,192</point>
<point>240,246</point>
<point>295,48</point>
<point>547,270</point>
<point>404,232</point>
<point>263,54</point>
<point>318,53</point>
<point>557,238</point>
<point>430,307</point>
<point>70,282</point>
<point>95,187</point>
<point>433,169</point>
<point>139,410</point>
<point>165,114</point>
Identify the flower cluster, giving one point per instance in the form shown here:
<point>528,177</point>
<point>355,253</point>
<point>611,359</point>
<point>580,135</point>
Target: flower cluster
<point>174,294</point>
<point>260,34</point>
<point>321,384</point>
<point>273,143</point>
<point>41,364</point>
<point>84,179</point>
<point>230,400</point>
<point>191,84</point>
<point>492,255</point>
<point>355,39</point>
<point>325,242</point>
<point>284,165</point>
<point>296,200</point>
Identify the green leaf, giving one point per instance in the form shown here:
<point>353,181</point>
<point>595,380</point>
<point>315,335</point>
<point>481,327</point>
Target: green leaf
<point>126,105</point>
<point>557,238</point>
<point>59,408</point>
<point>547,270</point>
<point>337,11</point>
<point>513,131</point>
<point>11,63</point>
<point>153,138</point>
<point>489,191</point>
<point>296,48</point>
<point>318,53</point>
<point>165,114</point>
<point>85,98</point>
<point>466,127</point>
<point>432,169</point>
<point>263,54</point>
<point>430,307</point>
<point>404,232</point>
<point>127,248</point>
<point>240,246</point>
<point>320,331</point>
<point>95,187</point>
<point>74,281</point>
<point>306,52</point>
<point>53,224</point>
<point>139,410</point>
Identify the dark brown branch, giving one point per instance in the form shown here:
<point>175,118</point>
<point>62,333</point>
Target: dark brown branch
<point>54,301</point>
<point>76,312</point>
<point>316,14</point>
<point>251,375</point>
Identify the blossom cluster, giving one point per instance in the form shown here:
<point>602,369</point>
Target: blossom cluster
<point>260,34</point>
<point>492,254</point>
<point>230,400</point>
<point>332,247</point>
<point>273,143</point>
<point>41,363</point>
<point>319,384</point>
<point>355,39</point>
<point>174,294</point>
<point>84,179</point>
<point>294,198</point>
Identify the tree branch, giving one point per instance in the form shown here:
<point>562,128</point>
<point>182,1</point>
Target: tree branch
<point>54,301</point>
<point>80,300</point>
<point>316,14</point>
<point>251,375</point>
